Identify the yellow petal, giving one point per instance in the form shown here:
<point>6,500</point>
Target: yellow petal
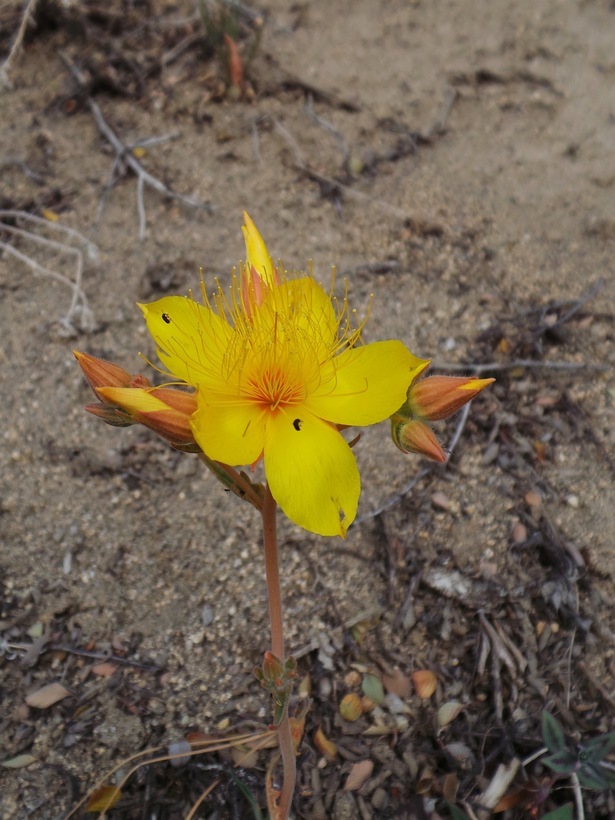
<point>311,472</point>
<point>132,399</point>
<point>365,385</point>
<point>257,255</point>
<point>231,433</point>
<point>191,339</point>
<point>303,306</point>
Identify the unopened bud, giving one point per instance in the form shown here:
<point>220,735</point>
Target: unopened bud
<point>165,411</point>
<point>101,373</point>
<point>438,397</point>
<point>273,669</point>
<point>414,436</point>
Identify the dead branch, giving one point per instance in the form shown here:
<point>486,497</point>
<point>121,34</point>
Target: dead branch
<point>125,158</point>
<point>21,33</point>
<point>79,315</point>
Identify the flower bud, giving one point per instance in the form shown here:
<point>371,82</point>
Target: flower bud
<point>438,397</point>
<point>414,436</point>
<point>273,669</point>
<point>101,373</point>
<point>165,411</point>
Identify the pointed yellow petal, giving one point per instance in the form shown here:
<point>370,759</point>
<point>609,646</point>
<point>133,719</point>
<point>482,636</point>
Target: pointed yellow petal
<point>257,255</point>
<point>191,339</point>
<point>365,385</point>
<point>303,307</point>
<point>132,399</point>
<point>311,472</point>
<point>231,433</point>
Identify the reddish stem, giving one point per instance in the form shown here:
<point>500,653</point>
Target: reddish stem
<point>272,569</point>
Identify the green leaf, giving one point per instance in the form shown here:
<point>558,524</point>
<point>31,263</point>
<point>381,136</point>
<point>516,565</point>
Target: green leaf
<point>610,778</point>
<point>564,762</point>
<point>249,797</point>
<point>456,814</point>
<point>372,687</point>
<point>592,777</point>
<point>598,747</point>
<point>552,733</point>
<point>563,813</point>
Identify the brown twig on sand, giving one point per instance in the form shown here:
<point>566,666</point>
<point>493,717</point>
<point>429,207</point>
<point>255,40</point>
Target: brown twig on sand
<point>83,653</point>
<point>124,157</point>
<point>21,33</point>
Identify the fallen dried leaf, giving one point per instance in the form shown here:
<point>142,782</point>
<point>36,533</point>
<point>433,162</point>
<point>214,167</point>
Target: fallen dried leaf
<point>297,728</point>
<point>325,746</point>
<point>358,775</point>
<point>448,712</point>
<point>305,687</point>
<point>450,786</point>
<point>425,781</point>
<point>103,799</point>
<point>19,762</point>
<point>47,696</point>
<point>244,756</point>
<point>397,683</point>
<point>425,682</point>
<point>351,707</point>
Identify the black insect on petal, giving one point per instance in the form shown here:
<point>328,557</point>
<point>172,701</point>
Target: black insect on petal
<point>166,318</point>
<point>297,424</point>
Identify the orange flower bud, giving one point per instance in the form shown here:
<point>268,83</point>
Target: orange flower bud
<point>165,411</point>
<point>438,397</point>
<point>101,373</point>
<point>414,436</point>
<point>110,415</point>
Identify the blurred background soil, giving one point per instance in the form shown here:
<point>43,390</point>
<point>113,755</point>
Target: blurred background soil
<point>456,159</point>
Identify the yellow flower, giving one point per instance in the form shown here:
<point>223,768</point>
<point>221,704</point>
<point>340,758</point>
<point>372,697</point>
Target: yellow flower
<point>278,366</point>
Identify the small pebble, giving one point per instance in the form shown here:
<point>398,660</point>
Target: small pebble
<point>573,501</point>
<point>519,533</point>
<point>380,799</point>
<point>441,501</point>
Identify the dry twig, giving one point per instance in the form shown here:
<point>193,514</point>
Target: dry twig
<point>79,317</point>
<point>125,158</point>
<point>21,33</point>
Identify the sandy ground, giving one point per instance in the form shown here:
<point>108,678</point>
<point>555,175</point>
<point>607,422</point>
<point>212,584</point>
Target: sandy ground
<point>456,160</point>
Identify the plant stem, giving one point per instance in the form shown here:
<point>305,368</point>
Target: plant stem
<point>272,570</point>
